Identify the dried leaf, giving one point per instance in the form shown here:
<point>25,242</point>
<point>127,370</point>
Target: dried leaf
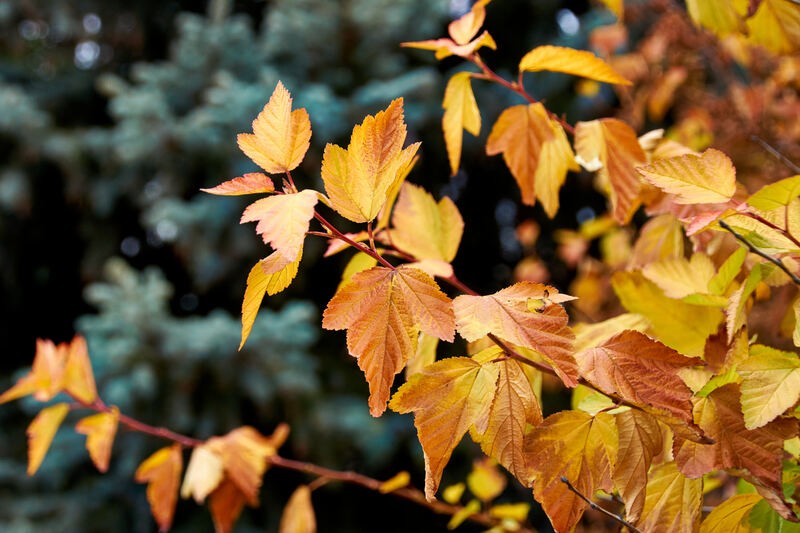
<point>298,515</point>
<point>447,397</point>
<point>162,473</point>
<point>709,178</point>
<point>383,311</point>
<point>41,431</point>
<point>280,136</point>
<point>100,430</point>
<point>570,61</point>
<point>460,113</point>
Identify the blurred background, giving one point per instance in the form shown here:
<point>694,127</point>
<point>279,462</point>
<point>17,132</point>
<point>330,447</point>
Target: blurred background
<point>113,114</point>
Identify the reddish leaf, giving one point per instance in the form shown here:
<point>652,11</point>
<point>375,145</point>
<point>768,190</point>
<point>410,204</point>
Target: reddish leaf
<point>226,504</point>
<point>251,183</point>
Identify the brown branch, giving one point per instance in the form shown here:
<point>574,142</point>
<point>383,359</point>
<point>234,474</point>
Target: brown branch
<point>772,225</point>
<point>357,245</point>
<point>774,260</point>
<point>596,507</point>
<point>776,154</point>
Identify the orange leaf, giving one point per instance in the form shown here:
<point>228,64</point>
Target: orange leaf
<point>570,61</point>
<point>612,146</point>
<point>78,376</point>
<point>709,178</point>
<point>447,397</point>
<point>465,27</point>
<point>270,275</point>
<point>460,113</point>
<point>526,314</point>
<point>514,407</point>
<point>280,136</point>
<point>642,371</point>
<point>226,504</point>
<point>447,47</point>
<point>536,151</point>
<point>673,503</point>
<point>41,432</point>
<point>758,451</point>
<point>203,474</point>
<point>100,430</point>
<point>729,516</point>
<point>244,453</point>
<point>162,473</point>
<point>579,447</point>
<point>358,180</point>
<point>250,183</point>
<point>298,515</point>
<point>640,439</point>
<point>46,378</point>
<point>424,228</point>
<point>383,311</point>
<point>283,220</point>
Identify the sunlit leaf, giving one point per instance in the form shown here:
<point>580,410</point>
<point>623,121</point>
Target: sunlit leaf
<point>398,481</point>
<point>41,432</point>
<point>280,136</point>
<point>298,515</point>
<point>673,503</point>
<point>706,179</point>
<point>776,195</point>
<point>719,16</point>
<point>770,384</point>
<point>640,439</point>
<point>100,430</point>
<point>464,28</point>
<point>162,473</point>
<point>46,378</point>
<point>460,113</point>
<point>730,516</point>
<point>203,474</point>
<point>570,61</point>
<point>78,376</point>
<point>660,238</point>
<point>251,183</point>
<point>776,26</point>
<point>678,278</point>
<point>283,220</point>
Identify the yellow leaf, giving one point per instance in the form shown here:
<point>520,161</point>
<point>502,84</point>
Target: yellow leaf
<point>459,517</point>
<point>250,183</point>
<point>465,27</point>
<point>507,315</point>
<point>770,384</point>
<point>514,511</point>
<point>398,481</point>
<point>536,151</point>
<point>681,326</point>
<point>776,26</point>
<point>283,220</point>
<point>447,397</point>
<point>452,494</point>
<point>796,333</point>
<point>729,516</point>
<point>78,376</point>
<point>727,272</point>
<point>679,277</point>
<point>485,481</point>
<point>578,447</point>
<point>46,378</point>
<point>720,16</point>
<point>613,145</point>
<point>162,473</point>
<point>709,178</point>
<point>41,432</point>
<point>270,275</point>
<point>615,6</point>
<point>673,503</point>
<point>776,195</point>
<point>203,474</point>
<point>447,47</point>
<point>592,335</point>
<point>640,439</point>
<point>425,354</point>
<point>424,228</point>
<point>383,311</point>
<point>760,235</point>
<point>570,61</point>
<point>460,113</point>
<point>358,263</point>
<point>298,515</point>
<point>280,136</point>
<point>661,237</point>
<point>358,179</point>
<point>100,430</point>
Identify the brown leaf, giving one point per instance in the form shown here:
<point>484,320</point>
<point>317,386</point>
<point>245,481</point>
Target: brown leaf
<point>640,439</point>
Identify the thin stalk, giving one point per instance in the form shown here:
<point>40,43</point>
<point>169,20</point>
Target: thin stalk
<point>596,507</point>
<point>774,260</point>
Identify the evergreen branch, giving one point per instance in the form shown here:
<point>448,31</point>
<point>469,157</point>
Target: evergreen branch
<point>774,260</point>
<point>596,507</point>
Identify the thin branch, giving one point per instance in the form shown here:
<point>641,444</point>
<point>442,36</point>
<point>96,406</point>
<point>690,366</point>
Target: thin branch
<point>776,154</point>
<point>357,245</point>
<point>596,507</point>
<point>774,260</point>
<point>772,225</point>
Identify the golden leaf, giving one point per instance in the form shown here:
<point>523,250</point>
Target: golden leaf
<point>460,113</point>
<point>162,473</point>
<point>673,503</point>
<point>100,430</point>
<point>298,515</point>
<point>570,61</point>
<point>41,432</point>
<point>283,220</point>
<point>709,178</point>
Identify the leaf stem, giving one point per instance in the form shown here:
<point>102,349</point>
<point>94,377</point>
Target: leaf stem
<point>596,507</point>
<point>774,260</point>
<point>358,246</point>
<point>782,231</point>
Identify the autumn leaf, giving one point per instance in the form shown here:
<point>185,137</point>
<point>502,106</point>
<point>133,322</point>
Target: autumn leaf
<point>507,314</point>
<point>776,195</point>
<point>776,26</point>
<point>203,474</point>
<point>424,228</point>
<point>464,28</point>
<point>270,275</point>
<point>298,515</point>
<point>283,220</point>
<point>615,6</point>
<point>462,31</point>
<point>719,16</point>
<point>673,503</point>
<point>679,278</point>
<point>383,311</point>
<point>280,136</point>
<point>644,372</point>
<point>536,151</point>
<point>100,430</point>
<point>251,183</point>
<point>162,473</point>
<point>570,61</point>
<point>758,451</point>
<point>485,481</point>
<point>660,238</point>
<point>770,384</point>
<point>611,146</point>
<point>398,481</point>
<point>358,179</point>
<point>78,376</point>
<point>460,113</point>
<point>514,407</point>
<point>41,432</point>
<point>709,178</point>
<point>46,378</point>
<point>244,453</point>
<point>226,504</point>
<point>730,515</point>
<point>640,439</point>
<point>447,398</point>
<point>578,447</point>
